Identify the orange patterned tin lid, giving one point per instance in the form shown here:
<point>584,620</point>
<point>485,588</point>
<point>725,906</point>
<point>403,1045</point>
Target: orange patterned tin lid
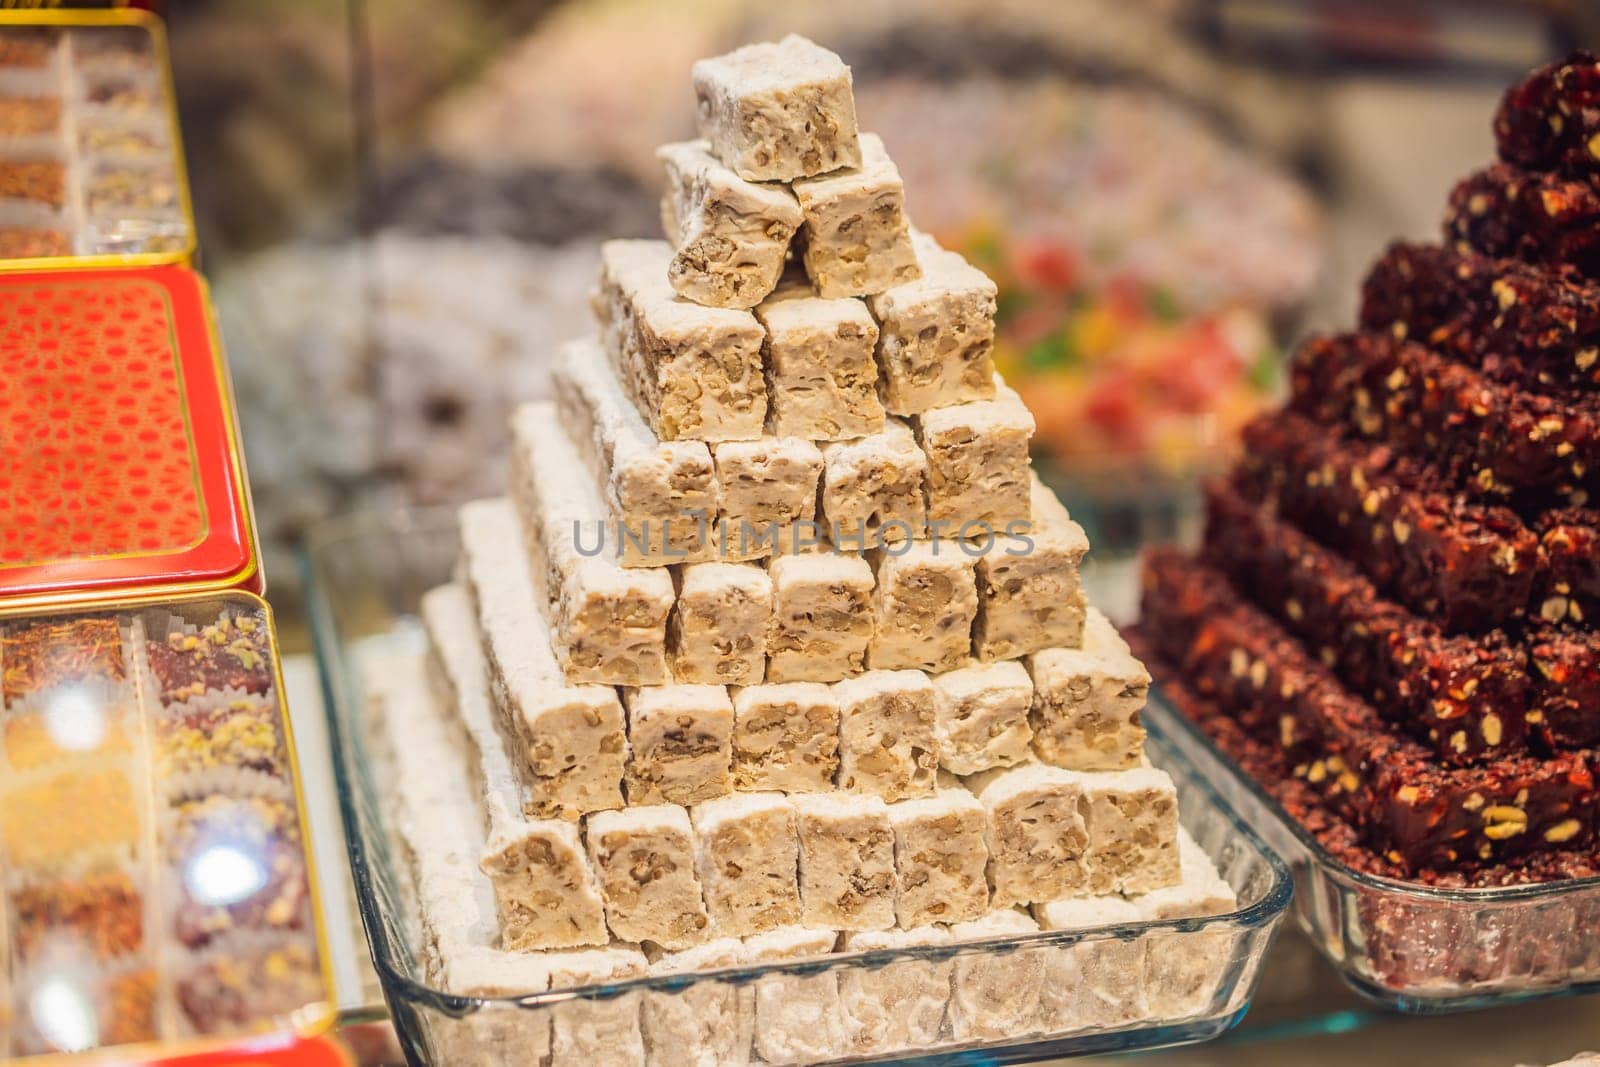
<point>119,458</point>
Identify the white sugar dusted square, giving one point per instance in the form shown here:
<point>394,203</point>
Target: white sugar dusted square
<point>821,618</point>
<point>799,1018</point>
<point>778,111</point>
<point>983,716</point>
<point>680,741</point>
<point>1037,836</point>
<point>940,858</point>
<point>923,606</point>
<point>645,859</point>
<point>857,240</point>
<point>1185,968</point>
<point>887,745</point>
<point>767,486</point>
<point>694,372</point>
<point>1095,982</point>
<point>748,856</point>
<point>785,737</point>
<point>662,494</point>
<point>872,488</point>
<point>821,374</point>
<point>1029,596</point>
<point>996,996</point>
<point>900,1006</point>
<point>1132,819</point>
<point>598,1030</point>
<point>717,632</point>
<point>1200,890</point>
<point>608,623</point>
<point>1088,702</point>
<point>847,877</point>
<point>730,237</point>
<point>936,333</point>
<point>978,472</point>
<point>707,1024</point>
<point>567,743</point>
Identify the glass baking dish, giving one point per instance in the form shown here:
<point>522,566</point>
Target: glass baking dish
<point>366,576</point>
<point>1411,947</point>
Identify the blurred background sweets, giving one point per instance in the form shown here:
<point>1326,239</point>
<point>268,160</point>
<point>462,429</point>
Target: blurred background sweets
<point>402,202</point>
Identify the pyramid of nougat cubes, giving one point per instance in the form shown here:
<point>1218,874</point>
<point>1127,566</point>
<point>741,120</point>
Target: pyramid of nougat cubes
<point>1392,619</point>
<point>776,644</point>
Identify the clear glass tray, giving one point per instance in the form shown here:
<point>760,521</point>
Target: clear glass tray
<point>366,577</point>
<point>1411,947</point>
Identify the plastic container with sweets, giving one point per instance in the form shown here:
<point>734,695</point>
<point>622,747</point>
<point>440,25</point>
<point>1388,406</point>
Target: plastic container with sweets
<point>156,881</point>
<point>120,468</point>
<point>91,163</point>
<point>1006,999</point>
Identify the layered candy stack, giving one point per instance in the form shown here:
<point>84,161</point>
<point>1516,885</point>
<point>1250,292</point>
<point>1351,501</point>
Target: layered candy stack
<point>1392,619</point>
<point>777,646</point>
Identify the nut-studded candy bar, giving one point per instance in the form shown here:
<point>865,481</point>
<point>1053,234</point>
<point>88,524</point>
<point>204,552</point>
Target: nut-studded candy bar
<point>1467,698</point>
<point>887,745</point>
<point>748,850</point>
<point>821,617</point>
<point>821,374</point>
<point>923,606</point>
<point>940,858</point>
<point>1418,812</point>
<point>983,716</point>
<point>644,857</point>
<point>978,472</point>
<point>1549,219</point>
<point>1520,324</point>
<point>1503,443</point>
<point>937,333</point>
<point>1569,550</point>
<point>1565,665</point>
<point>608,623</point>
<point>679,742</point>
<point>568,743</point>
<point>730,236</point>
<point>1551,119</point>
<point>778,111</point>
<point>856,238</point>
<point>1037,836</point>
<point>847,874</point>
<point>695,372</point>
<point>660,495</point>
<point>1028,589</point>
<point>872,488</point>
<point>785,737</point>
<point>1465,566</point>
<point>717,632</point>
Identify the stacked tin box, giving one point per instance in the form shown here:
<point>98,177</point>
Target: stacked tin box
<point>152,849</point>
<point>776,647</point>
<point>1391,622</point>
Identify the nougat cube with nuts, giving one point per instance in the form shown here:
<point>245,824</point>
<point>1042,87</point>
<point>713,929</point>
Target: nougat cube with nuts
<point>694,372</point>
<point>1029,593</point>
<point>936,334</point>
<point>872,488</point>
<point>1096,982</point>
<point>730,236</point>
<point>822,379</point>
<point>847,876</point>
<point>887,745</point>
<point>748,860</point>
<point>774,112</point>
<point>995,996</point>
<point>1038,840</point>
<point>1088,702</point>
<point>766,487</point>
<point>1184,973</point>
<point>703,1023</point>
<point>545,892</point>
<point>1132,821</point>
<point>799,1017</point>
<point>978,474</point>
<point>923,606</point>
<point>680,741</point>
<point>899,1007</point>
<point>856,238</point>
<point>717,632</point>
<point>596,1030</point>
<point>940,858</point>
<point>983,716</point>
<point>821,617</point>
<point>644,857</point>
<point>785,737</point>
